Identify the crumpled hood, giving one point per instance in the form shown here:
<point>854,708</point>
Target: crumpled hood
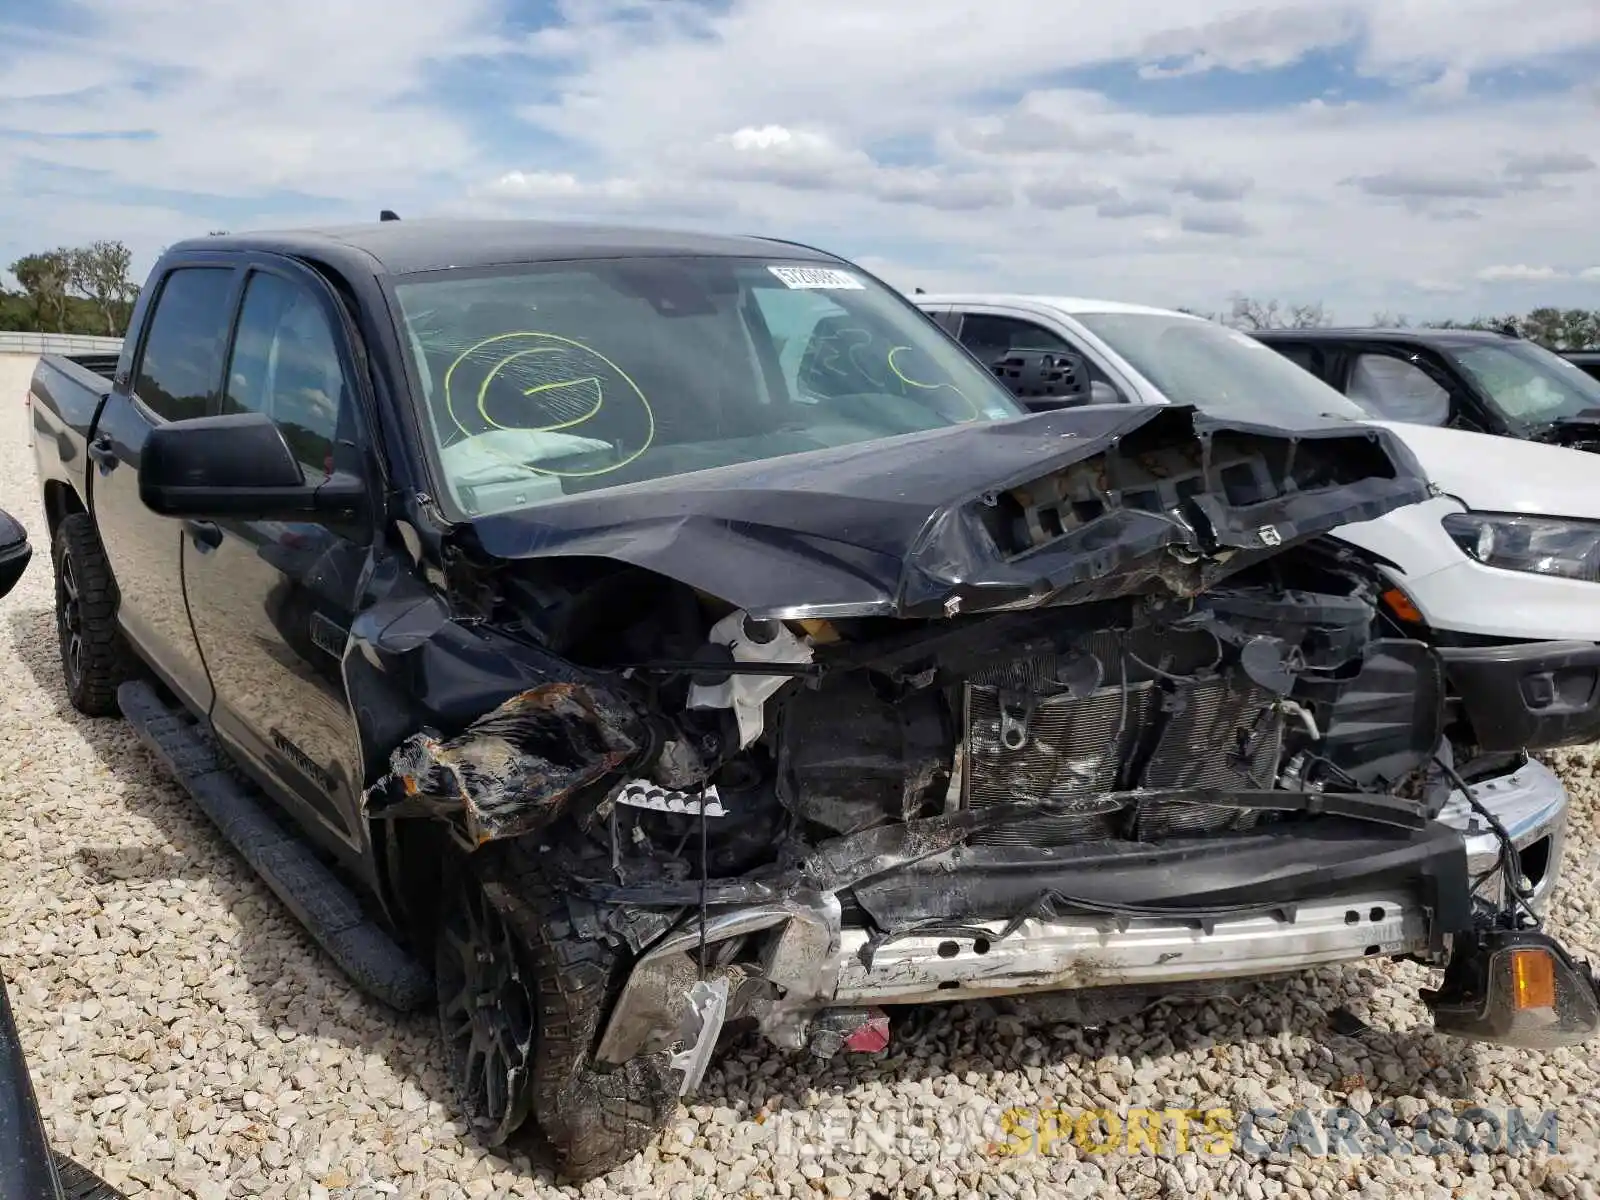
<point>1067,506</point>
<point>1503,474</point>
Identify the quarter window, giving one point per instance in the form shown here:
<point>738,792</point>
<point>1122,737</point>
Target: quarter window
<point>181,364</point>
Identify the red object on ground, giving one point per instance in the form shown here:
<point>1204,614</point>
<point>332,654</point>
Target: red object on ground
<point>871,1036</point>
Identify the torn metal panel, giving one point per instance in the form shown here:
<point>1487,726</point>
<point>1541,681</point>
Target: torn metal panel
<point>514,770</point>
<point>1058,507</point>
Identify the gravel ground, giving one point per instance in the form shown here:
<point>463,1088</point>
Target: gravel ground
<point>187,1039</point>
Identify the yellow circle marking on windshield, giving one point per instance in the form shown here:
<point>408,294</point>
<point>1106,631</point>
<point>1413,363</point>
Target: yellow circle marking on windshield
<point>539,389</point>
<point>909,382</point>
<point>450,404</point>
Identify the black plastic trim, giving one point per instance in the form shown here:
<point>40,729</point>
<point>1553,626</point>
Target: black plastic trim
<point>1527,695</point>
<point>1278,867</point>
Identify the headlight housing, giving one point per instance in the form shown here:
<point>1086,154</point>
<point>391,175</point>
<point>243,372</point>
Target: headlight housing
<point>1540,545</point>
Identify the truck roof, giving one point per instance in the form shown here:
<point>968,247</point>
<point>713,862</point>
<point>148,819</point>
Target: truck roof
<point>1066,304</point>
<point>404,247</point>
<point>1438,337</point>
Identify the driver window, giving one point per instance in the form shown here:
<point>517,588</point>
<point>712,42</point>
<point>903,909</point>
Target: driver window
<point>991,337</point>
<point>286,365</point>
<point>1398,390</point>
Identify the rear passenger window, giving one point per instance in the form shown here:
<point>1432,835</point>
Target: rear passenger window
<point>1398,390</point>
<point>286,366</point>
<point>181,365</point>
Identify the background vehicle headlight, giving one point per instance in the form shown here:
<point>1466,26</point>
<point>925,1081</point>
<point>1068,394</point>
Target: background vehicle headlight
<point>1542,545</point>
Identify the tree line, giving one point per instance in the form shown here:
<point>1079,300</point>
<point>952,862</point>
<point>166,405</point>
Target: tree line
<point>87,289</point>
<point>1558,328</point>
<point>71,289</point>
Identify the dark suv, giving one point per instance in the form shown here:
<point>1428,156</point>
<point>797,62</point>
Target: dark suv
<point>1467,379</point>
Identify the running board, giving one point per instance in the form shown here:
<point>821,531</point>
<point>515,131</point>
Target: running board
<point>316,896</point>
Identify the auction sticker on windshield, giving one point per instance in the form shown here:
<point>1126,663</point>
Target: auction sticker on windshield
<point>817,277</point>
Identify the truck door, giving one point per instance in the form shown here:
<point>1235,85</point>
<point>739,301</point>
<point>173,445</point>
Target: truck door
<point>272,601</point>
<point>176,372</point>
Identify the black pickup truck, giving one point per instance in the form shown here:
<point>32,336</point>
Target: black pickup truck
<point>610,636</point>
<point>1477,380</point>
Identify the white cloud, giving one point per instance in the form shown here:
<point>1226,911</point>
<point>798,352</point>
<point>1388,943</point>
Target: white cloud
<point>1118,209</point>
<point>1213,187</point>
<point>936,137</point>
<point>1256,39</point>
<point>1517,273</point>
<point>237,99</point>
<point>1226,224</point>
<point>1051,123</point>
<point>1590,273</point>
<point>1550,162</point>
<point>776,154</point>
<point>1424,184</point>
<point>1070,192</point>
<point>1450,85</point>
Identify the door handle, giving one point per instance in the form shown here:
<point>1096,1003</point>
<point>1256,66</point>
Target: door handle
<point>103,451</point>
<point>206,535</point>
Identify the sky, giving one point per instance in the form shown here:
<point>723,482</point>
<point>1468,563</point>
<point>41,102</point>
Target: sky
<point>1426,157</point>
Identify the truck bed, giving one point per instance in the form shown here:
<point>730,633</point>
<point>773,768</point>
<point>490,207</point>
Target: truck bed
<point>65,396</point>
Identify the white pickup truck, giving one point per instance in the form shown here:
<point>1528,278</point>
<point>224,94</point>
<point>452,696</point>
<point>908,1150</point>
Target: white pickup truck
<point>1500,572</point>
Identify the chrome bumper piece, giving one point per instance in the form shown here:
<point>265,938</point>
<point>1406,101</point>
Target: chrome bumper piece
<point>1531,803</point>
<point>1070,954</point>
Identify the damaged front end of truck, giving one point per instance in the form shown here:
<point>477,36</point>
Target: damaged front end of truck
<point>1077,705</point>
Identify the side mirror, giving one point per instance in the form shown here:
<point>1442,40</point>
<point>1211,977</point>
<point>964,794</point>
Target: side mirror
<point>1044,379</point>
<point>14,552</point>
<point>239,466</point>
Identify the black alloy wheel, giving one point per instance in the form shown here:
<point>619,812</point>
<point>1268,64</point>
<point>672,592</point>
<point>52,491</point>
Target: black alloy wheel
<point>486,1013</point>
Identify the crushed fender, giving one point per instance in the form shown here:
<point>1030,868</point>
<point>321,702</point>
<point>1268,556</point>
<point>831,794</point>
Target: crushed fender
<point>515,769</point>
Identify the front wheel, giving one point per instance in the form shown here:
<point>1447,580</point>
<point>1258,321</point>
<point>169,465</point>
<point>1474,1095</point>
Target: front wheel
<point>521,999</point>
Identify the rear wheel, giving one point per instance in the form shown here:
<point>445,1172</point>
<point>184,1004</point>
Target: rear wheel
<point>521,999</point>
<point>94,656</point>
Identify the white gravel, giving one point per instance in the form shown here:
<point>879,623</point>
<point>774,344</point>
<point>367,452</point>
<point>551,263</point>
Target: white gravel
<point>188,1040</point>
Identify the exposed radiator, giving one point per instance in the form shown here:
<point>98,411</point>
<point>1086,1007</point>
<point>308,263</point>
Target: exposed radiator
<point>1226,737</point>
<point>1027,740</point>
<point>1073,752</point>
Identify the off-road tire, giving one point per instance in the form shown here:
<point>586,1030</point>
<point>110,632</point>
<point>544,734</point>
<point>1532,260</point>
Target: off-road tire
<point>591,1120</point>
<point>104,660</point>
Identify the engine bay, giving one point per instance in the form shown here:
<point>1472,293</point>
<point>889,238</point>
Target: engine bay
<point>1125,722</point>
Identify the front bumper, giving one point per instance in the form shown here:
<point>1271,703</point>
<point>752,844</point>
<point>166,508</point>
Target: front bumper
<point>1531,803</point>
<point>1534,695</point>
<point>1072,954</point>
<point>1414,898</point>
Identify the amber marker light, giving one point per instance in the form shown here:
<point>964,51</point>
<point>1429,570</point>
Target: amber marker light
<point>1533,979</point>
<point>1400,605</point>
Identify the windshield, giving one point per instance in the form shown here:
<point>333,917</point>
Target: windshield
<point>1219,370</point>
<point>542,382</point>
<point>1529,383</point>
